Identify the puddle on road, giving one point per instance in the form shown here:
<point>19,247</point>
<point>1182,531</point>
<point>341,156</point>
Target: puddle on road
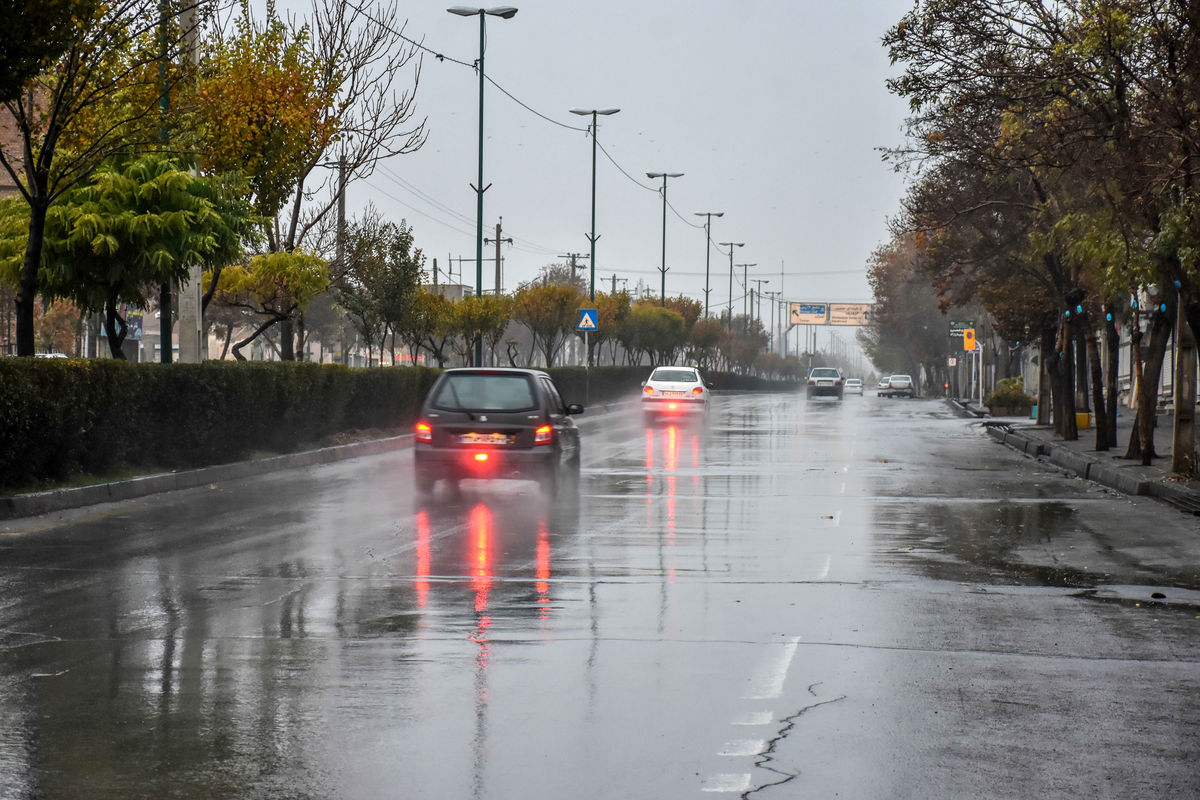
<point>977,541</point>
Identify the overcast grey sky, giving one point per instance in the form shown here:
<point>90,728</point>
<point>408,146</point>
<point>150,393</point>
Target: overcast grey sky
<point>772,110</point>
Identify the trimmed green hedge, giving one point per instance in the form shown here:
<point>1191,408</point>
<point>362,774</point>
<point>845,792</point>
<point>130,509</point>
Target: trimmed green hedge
<point>60,417</point>
<point>65,417</point>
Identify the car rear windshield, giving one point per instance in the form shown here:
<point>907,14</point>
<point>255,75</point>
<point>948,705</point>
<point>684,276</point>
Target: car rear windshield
<point>824,372</point>
<point>484,392</point>
<point>677,375</point>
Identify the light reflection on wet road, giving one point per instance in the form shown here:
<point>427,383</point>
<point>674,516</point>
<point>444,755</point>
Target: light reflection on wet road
<point>864,599</point>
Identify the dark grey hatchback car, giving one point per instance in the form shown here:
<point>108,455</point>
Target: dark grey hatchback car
<point>496,422</point>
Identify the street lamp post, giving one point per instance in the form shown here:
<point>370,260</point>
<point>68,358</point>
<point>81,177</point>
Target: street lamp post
<point>731,245</point>
<point>504,12</point>
<point>708,215</point>
<point>663,269</point>
<point>746,296</point>
<point>592,237</point>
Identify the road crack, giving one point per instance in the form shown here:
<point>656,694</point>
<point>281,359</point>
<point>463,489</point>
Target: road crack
<point>766,759</point>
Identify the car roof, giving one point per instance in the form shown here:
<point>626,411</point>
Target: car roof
<point>494,371</point>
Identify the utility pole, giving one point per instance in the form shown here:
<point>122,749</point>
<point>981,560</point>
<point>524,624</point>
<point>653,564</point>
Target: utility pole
<point>614,282</point>
<point>497,242</point>
<point>759,294</point>
<point>774,306</point>
<point>573,257</point>
<point>435,276</point>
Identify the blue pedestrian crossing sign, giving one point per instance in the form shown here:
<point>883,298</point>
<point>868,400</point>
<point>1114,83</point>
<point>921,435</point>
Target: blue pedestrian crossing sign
<point>587,319</point>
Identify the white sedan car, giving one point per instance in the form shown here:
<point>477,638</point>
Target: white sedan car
<point>854,386</point>
<point>672,391</point>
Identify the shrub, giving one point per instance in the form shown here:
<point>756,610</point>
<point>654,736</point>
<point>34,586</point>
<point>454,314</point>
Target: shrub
<point>1009,393</point>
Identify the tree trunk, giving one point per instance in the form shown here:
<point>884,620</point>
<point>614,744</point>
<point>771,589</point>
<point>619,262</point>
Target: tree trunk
<point>166,331</point>
<point>287,335</point>
<point>1151,357</point>
<point>1064,384</point>
<point>27,286</point>
<point>1183,446</point>
<point>1100,408</point>
<point>116,329</point>
<point>237,348</point>
<point>1112,339</point>
<point>1045,377</point>
<point>1080,331</point>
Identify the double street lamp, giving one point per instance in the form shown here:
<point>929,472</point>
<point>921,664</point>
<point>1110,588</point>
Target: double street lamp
<point>731,245</point>
<point>592,237</point>
<point>504,12</point>
<point>663,269</point>
<point>708,215</point>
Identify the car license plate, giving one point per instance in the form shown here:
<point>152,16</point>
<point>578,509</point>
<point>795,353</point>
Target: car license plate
<point>672,394</point>
<point>484,438</point>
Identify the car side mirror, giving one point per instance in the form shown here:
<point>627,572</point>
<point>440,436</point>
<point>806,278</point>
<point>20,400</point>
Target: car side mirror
<point>574,408</point>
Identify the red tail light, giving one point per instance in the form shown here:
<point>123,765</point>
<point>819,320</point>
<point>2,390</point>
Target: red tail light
<point>424,432</point>
<point>812,382</point>
<point>481,456</point>
<point>649,390</point>
<point>543,435</point>
<point>697,390</point>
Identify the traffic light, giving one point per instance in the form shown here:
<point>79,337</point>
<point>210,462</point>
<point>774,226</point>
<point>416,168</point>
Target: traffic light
<point>969,339</point>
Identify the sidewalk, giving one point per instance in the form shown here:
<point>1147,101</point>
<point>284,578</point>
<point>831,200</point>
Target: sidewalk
<point>1108,467</point>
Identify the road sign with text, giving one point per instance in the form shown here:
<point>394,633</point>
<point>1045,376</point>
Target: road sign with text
<point>808,313</point>
<point>849,313</point>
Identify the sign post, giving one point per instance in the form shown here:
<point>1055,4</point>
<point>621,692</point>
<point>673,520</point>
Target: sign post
<point>588,320</point>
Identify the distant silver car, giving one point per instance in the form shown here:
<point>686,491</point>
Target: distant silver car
<point>897,386</point>
<point>854,386</point>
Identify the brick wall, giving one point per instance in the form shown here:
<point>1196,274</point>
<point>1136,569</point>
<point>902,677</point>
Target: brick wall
<point>10,141</point>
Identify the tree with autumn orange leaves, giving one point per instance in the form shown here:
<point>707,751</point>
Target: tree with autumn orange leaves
<point>303,108</point>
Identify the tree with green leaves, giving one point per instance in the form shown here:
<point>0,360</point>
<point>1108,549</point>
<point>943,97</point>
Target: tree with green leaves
<point>97,99</point>
<point>549,311</point>
<point>130,226</point>
<point>655,331</point>
<point>381,278</point>
<point>273,286</point>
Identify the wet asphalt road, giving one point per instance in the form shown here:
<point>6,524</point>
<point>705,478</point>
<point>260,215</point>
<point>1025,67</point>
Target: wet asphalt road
<point>816,599</point>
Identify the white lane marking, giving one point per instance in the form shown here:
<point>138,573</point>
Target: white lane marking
<point>825,570</point>
<point>743,747</point>
<point>727,782</point>
<point>769,684</point>
<point>754,718</point>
